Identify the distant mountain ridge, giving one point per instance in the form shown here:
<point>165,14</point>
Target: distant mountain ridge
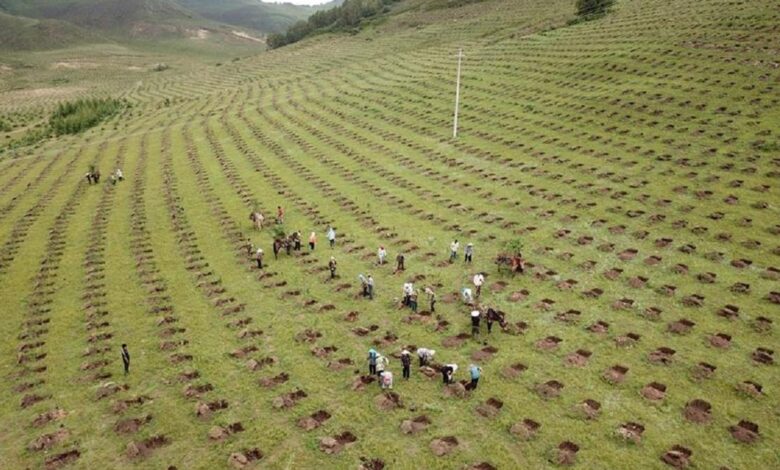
<point>60,23</point>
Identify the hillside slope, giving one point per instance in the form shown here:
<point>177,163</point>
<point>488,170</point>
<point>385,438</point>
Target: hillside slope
<point>19,34</point>
<point>634,158</point>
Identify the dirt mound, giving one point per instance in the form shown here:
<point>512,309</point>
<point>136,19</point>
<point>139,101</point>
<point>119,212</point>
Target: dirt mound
<point>549,389</point>
<point>371,464</point>
<point>525,429</point>
<point>351,316</point>
<point>288,400</point>
<point>244,458</point>
<point>681,327</point>
<point>702,371</point>
<point>456,390</point>
<point>415,425</point>
<point>578,358</point>
<point>631,431</point>
<point>270,382</point>
<point>720,340</point>
<point>654,391</point>
<point>514,370</point>
<point>549,343</point>
<point>145,447</point>
<point>308,336</point>
<point>662,355</point>
<point>444,445</point>
<point>518,295</point>
<point>566,454</point>
<point>206,410</point>
<point>588,409</point>
<point>484,354</point>
<point>49,416</point>
<point>360,382</point>
<point>763,356</point>
<point>60,460</point>
<point>455,341</point>
<point>677,457</point>
<point>335,444</point>
<point>315,420</point>
<point>615,374</point>
<point>47,441</point>
<point>481,466</point>
<point>219,433</point>
<point>745,432</point>
<point>498,286</point>
<point>490,408</point>
<point>131,425</point>
<point>388,401</point>
<point>762,324</point>
<point>698,411</point>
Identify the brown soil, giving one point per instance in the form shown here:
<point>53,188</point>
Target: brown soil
<point>484,354</point>
<point>388,401</point>
<point>60,460</point>
<point>615,374</point>
<point>654,391</point>
<point>589,409</point>
<point>745,432</point>
<point>145,447</point>
<point>371,464</point>
<point>762,324</point>
<point>131,425</point>
<point>455,341</point>
<point>662,355</point>
<point>751,388</point>
<point>677,457</point>
<point>313,421</point>
<point>308,336</point>
<point>549,343</point>
<point>698,411</point>
<point>47,441</point>
<point>681,327</point>
<point>627,340</point>
<point>241,459</point>
<point>47,417</point>
<point>720,340</point>
<point>457,390</point>
<point>567,453</point>
<point>519,296</point>
<point>334,445</point>
<point>444,445</point>
<point>498,286</point>
<point>351,316</point>
<point>415,425</point>
<point>514,370</point>
<point>360,382</point>
<point>525,429</point>
<point>490,408</point>
<point>578,358</point>
<point>270,382</point>
<point>288,400</point>
<point>631,431</point>
<point>569,316</point>
<point>729,312</point>
<point>763,356</point>
<point>549,389</point>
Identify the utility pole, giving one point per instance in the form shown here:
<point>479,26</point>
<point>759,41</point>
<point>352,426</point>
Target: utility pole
<point>457,97</point>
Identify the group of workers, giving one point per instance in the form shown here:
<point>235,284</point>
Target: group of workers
<point>378,365</point>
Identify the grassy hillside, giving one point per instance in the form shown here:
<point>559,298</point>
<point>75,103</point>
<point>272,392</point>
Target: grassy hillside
<point>635,156</point>
<point>21,34</point>
<point>254,14</point>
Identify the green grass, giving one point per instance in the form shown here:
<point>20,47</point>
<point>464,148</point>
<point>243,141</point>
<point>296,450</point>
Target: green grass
<point>659,118</point>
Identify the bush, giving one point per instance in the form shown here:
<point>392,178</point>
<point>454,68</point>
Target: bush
<point>76,116</point>
<point>593,8</point>
<point>514,246</point>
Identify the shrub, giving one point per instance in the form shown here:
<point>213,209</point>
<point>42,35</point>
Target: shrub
<point>593,8</point>
<point>76,116</point>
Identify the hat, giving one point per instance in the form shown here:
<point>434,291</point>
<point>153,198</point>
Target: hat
<point>404,352</point>
<point>470,244</point>
<point>475,313</point>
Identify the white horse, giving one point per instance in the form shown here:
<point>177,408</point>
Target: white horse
<point>258,219</point>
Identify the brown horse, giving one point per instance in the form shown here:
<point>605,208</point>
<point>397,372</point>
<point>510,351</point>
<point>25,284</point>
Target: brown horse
<point>515,263</point>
